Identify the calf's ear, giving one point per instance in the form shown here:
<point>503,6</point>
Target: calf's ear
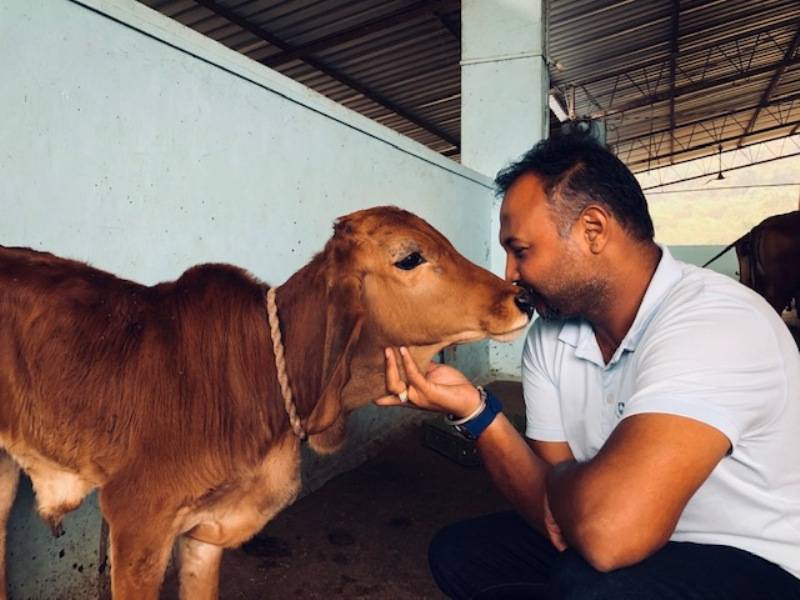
<point>343,323</point>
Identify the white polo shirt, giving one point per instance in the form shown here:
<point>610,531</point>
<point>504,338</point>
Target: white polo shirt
<point>702,346</point>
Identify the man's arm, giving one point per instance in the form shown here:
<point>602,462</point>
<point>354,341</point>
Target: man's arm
<point>552,453</point>
<point>624,504</point>
<point>517,471</point>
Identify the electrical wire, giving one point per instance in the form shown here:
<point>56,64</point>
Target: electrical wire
<point>727,187</point>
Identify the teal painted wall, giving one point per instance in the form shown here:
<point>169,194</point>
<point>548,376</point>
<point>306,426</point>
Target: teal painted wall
<point>697,255</point>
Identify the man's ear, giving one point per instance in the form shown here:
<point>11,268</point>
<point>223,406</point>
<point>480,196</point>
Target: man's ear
<point>594,221</point>
<point>343,322</point>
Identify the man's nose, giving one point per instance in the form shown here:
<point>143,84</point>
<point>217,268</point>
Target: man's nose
<point>511,269</point>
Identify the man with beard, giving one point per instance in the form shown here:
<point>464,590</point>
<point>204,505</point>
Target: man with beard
<point>660,458</point>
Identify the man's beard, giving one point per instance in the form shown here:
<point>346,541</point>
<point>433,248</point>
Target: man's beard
<point>570,301</point>
<point>548,312</point>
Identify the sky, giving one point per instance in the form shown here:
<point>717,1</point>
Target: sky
<point>708,212</point>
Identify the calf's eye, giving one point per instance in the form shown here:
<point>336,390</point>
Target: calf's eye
<point>411,261</point>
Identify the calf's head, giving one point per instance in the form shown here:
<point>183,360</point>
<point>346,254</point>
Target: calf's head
<point>416,289</point>
<point>390,279</point>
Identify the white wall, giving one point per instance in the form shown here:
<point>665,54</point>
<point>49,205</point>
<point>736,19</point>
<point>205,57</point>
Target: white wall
<point>142,147</point>
<point>144,158</point>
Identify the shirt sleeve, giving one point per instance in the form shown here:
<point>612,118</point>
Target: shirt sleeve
<point>542,406</point>
<point>717,363</point>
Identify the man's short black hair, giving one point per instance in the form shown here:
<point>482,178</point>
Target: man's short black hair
<point>577,171</point>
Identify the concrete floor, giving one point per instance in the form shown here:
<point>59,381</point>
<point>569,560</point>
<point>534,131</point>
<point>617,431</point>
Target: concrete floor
<point>365,533</point>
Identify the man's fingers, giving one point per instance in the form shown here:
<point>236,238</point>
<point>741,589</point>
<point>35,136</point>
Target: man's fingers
<point>394,400</point>
<point>394,384</point>
<point>556,539</point>
<point>413,374</point>
<point>390,400</point>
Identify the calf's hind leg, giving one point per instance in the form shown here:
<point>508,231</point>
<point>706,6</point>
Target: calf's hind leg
<point>9,476</point>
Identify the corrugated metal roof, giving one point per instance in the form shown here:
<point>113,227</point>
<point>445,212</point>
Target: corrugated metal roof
<point>673,79</point>
<point>735,61</point>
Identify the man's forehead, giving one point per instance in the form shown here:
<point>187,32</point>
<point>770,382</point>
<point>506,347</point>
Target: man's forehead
<point>526,185</point>
<point>510,220</point>
<point>522,196</point>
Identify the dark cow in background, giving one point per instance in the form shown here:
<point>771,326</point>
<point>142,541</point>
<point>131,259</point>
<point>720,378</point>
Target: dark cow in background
<point>769,259</point>
<point>168,398</point>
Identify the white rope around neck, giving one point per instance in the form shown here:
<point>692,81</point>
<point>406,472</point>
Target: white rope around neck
<point>280,365</point>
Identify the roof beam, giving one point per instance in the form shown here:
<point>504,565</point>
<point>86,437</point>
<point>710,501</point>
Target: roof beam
<point>760,12</point>
<point>698,86</point>
<point>676,11</point>
<point>719,41</point>
<point>265,35</point>
<point>455,30</point>
<point>712,144</point>
<point>358,31</point>
<point>771,86</point>
<point>710,117</point>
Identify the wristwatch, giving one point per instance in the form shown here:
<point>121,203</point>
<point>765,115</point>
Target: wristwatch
<point>471,426</point>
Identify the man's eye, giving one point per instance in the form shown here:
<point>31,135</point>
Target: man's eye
<point>519,252</point>
<point>411,261</point>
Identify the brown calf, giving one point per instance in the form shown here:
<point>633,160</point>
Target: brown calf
<point>166,398</point>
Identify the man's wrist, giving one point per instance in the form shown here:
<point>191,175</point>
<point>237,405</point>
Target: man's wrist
<point>471,407</point>
<point>474,424</point>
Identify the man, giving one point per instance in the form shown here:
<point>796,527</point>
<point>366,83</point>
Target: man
<point>662,450</point>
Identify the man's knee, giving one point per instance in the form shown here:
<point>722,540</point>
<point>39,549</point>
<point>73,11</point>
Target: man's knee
<point>500,549</point>
<point>572,578</point>
<point>448,558</point>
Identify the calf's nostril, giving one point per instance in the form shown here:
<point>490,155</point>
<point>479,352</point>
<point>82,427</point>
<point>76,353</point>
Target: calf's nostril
<point>524,301</point>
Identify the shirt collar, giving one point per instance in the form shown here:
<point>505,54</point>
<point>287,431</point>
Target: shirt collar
<point>668,273</point>
<point>579,334</point>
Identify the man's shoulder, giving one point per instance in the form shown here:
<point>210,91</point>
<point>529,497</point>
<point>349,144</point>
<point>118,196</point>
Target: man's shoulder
<point>708,314</point>
<point>700,289</point>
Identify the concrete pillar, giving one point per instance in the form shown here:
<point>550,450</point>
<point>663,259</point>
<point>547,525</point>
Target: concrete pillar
<point>504,108</point>
<point>504,81</point>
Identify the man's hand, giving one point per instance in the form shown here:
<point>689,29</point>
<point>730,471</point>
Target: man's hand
<point>553,530</point>
<point>441,389</point>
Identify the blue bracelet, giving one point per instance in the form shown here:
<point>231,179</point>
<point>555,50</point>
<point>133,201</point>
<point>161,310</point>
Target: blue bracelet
<point>473,428</point>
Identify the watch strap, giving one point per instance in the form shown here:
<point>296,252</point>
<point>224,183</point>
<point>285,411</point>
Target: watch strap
<point>474,427</point>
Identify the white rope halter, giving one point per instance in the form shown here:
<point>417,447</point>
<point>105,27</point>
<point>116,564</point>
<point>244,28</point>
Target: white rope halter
<point>280,364</point>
